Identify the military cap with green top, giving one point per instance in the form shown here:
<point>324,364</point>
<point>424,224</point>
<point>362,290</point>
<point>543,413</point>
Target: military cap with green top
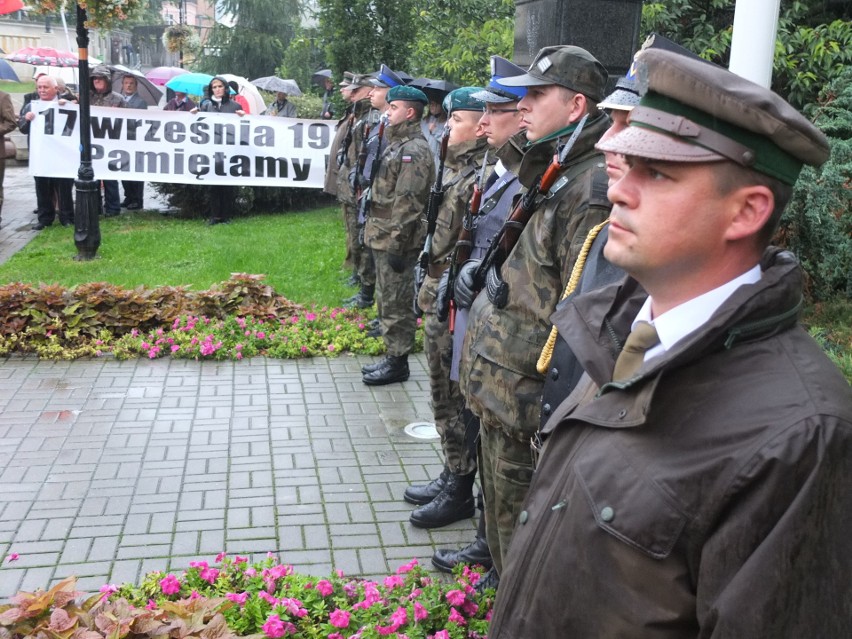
<point>567,66</point>
<point>463,99</point>
<point>406,93</point>
<point>691,111</point>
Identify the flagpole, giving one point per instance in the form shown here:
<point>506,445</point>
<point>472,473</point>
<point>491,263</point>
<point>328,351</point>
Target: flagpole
<point>87,230</point>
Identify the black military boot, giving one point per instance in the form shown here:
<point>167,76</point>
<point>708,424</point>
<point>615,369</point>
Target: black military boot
<point>364,298</point>
<point>454,503</point>
<point>422,494</point>
<point>489,580</point>
<point>369,368</point>
<point>393,369</point>
<point>475,553</point>
<point>354,279</point>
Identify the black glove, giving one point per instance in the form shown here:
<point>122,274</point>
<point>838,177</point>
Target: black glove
<point>396,262</point>
<point>466,287</point>
<point>442,300</point>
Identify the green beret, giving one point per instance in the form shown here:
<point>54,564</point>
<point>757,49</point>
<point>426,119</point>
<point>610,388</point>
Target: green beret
<point>691,111</point>
<point>406,93</point>
<point>462,100</point>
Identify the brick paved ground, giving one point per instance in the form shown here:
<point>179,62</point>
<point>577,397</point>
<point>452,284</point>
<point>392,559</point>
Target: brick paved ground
<point>110,469</point>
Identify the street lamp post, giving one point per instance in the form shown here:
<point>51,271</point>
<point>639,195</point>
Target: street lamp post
<point>87,230</point>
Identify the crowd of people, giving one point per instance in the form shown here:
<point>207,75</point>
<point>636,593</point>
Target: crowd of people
<point>612,342</point>
<point>54,196</point>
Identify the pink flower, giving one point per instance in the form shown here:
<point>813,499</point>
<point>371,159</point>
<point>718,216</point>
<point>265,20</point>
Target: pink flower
<point>274,627</point>
<point>331,347</point>
<point>404,568</point>
<point>441,634</point>
<point>324,587</point>
<point>198,564</point>
<point>399,617</point>
<point>339,618</point>
<point>420,613</point>
<point>304,349</point>
<point>13,557</point>
<point>470,608</point>
<point>175,348</point>
<point>151,605</point>
<point>310,317</point>
<point>335,635</point>
<point>393,581</point>
<point>339,573</point>
<point>239,356</point>
<point>240,560</point>
<point>456,617</point>
<point>239,598</point>
<point>455,597</point>
<point>267,597</point>
<point>219,557</point>
<point>170,585</point>
<point>250,572</point>
<point>261,335</point>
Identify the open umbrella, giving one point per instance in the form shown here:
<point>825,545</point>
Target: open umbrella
<point>10,6</point>
<point>44,56</point>
<point>7,72</point>
<point>274,84</point>
<point>321,76</point>
<point>161,75</point>
<point>144,87</point>
<point>191,83</point>
<point>248,91</point>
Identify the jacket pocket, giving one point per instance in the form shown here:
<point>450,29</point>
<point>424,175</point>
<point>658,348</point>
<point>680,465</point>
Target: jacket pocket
<point>626,504</point>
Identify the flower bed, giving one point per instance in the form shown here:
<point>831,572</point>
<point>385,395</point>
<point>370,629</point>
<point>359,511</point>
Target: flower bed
<point>240,318</point>
<point>233,598</point>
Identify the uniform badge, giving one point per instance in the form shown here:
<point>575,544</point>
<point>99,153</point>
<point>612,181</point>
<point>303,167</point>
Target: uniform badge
<point>544,64</point>
<point>406,158</point>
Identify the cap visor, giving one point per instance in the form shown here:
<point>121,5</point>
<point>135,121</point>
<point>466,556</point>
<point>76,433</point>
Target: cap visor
<point>493,98</point>
<point>643,143</point>
<point>620,100</point>
<point>525,80</point>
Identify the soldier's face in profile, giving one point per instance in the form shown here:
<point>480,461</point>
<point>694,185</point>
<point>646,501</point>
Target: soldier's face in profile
<point>615,162</point>
<point>398,112</point>
<point>500,122</point>
<point>377,98</point>
<point>463,126</point>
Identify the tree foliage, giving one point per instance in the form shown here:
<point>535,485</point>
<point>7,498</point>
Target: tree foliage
<point>817,224</point>
<point>255,45</point>
<point>361,34</point>
<point>457,37</point>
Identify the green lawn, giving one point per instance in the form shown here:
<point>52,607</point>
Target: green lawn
<point>26,86</point>
<point>300,253</point>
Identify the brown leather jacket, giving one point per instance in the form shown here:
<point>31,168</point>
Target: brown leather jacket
<point>707,497</point>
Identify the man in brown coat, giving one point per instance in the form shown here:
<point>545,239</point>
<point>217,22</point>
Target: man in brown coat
<point>8,123</point>
<point>694,484</point>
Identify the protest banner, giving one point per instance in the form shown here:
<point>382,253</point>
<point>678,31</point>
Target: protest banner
<point>183,148</point>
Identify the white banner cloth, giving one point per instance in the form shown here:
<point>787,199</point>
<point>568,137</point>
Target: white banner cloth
<point>180,147</point>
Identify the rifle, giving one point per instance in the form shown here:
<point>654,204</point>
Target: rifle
<point>365,198</point>
<point>343,151</point>
<point>464,247</point>
<point>436,196</point>
<point>510,232</point>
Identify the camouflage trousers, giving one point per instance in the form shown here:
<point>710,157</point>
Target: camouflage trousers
<point>447,400</point>
<point>505,472</point>
<point>358,257</point>
<point>395,303</point>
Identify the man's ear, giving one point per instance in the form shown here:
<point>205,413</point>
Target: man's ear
<point>752,207</point>
<point>578,106</point>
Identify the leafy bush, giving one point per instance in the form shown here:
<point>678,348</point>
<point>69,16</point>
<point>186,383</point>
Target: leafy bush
<point>817,224</point>
<point>239,318</point>
<point>267,599</point>
<point>190,200</point>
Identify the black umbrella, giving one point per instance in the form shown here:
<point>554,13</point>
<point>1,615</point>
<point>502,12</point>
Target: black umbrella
<point>436,90</point>
<point>321,76</point>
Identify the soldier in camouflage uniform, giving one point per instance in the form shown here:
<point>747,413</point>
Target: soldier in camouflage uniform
<point>355,126</point>
<point>394,231</point>
<point>499,376</point>
<point>500,121</point>
<point>332,169</point>
<point>463,164</point>
<point>360,176</point>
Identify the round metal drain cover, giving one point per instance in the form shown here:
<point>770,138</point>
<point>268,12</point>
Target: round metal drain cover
<point>422,430</point>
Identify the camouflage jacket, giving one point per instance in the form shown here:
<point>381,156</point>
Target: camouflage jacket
<point>331,169</point>
<point>363,118</point>
<point>107,99</point>
<point>498,375</point>
<point>400,191</point>
<point>461,170</point>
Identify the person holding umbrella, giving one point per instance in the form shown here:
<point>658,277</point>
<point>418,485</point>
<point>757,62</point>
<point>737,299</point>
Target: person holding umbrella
<point>222,197</point>
<point>281,108</point>
<point>101,94</point>
<point>133,189</point>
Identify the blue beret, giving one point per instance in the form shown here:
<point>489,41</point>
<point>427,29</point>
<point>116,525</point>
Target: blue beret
<point>409,94</point>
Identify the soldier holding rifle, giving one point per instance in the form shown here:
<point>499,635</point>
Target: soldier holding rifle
<point>463,153</point>
<point>509,325</point>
